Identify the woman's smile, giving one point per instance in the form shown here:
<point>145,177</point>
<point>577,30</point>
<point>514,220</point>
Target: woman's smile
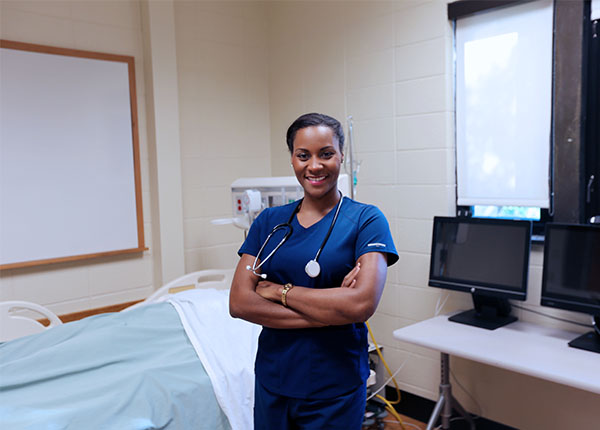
<point>316,160</point>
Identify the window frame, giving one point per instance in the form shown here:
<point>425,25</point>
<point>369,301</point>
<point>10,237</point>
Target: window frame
<point>576,126</point>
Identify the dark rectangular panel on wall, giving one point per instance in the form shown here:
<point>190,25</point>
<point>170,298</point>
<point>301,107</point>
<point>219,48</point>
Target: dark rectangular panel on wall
<point>568,55</point>
<point>462,8</point>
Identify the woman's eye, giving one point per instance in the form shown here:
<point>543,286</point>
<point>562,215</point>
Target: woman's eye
<point>327,154</point>
<point>302,156</point>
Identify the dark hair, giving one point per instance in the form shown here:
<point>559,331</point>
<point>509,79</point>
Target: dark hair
<point>315,119</point>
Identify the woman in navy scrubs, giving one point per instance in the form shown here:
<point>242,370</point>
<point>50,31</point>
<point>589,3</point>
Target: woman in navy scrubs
<point>312,360</point>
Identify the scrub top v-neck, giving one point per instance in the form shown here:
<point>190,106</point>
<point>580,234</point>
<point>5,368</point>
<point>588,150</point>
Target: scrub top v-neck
<point>317,362</point>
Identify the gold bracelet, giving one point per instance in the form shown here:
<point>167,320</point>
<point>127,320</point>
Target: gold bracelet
<point>287,287</point>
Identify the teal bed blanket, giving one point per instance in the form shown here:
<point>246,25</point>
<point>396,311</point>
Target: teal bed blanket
<point>125,371</point>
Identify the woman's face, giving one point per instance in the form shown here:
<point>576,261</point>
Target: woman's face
<point>316,160</point>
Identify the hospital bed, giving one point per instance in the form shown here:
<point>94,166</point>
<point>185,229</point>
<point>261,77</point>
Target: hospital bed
<point>14,324</point>
<point>175,361</point>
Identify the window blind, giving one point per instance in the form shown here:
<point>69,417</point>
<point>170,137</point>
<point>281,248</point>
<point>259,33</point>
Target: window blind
<point>503,105</point>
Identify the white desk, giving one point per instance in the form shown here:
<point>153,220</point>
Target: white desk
<point>521,347</point>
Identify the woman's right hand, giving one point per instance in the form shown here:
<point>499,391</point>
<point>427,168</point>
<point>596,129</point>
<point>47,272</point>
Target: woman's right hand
<point>350,279</point>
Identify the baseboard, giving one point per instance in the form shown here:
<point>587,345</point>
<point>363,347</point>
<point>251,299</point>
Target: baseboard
<point>89,312</point>
<point>420,408</point>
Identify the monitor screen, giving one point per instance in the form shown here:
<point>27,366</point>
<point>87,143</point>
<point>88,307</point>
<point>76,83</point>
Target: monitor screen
<point>571,276</point>
<point>478,255</point>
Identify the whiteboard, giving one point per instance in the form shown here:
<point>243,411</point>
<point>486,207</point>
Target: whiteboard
<point>69,157</point>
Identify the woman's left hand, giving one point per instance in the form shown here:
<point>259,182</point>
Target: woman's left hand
<point>269,290</point>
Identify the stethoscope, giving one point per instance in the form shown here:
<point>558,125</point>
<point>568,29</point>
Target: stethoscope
<point>312,268</point>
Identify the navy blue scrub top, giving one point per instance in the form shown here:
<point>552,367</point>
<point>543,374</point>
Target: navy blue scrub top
<point>324,362</point>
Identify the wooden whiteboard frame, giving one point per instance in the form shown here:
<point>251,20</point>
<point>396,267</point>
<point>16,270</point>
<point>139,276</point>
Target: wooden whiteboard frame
<point>7,44</point>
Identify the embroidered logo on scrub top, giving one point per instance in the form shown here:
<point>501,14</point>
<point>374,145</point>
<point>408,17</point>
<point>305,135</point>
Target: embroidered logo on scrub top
<point>381,245</point>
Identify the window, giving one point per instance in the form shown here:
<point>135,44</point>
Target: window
<point>573,139</point>
<point>504,106</point>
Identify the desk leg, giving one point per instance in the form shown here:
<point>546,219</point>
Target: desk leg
<point>447,402</point>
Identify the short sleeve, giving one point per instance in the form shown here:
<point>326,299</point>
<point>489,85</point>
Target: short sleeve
<point>374,235</point>
<point>253,240</point>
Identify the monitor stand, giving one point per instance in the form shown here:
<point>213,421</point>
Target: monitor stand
<point>490,313</point>
<point>589,341</point>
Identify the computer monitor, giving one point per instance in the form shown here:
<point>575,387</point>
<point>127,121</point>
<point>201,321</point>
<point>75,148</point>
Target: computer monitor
<point>488,258</point>
<point>571,275</point>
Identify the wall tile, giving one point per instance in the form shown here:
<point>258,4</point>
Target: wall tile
<point>425,131</point>
<point>331,104</point>
<point>388,303</point>
<point>423,22</point>
<point>382,326</point>
<point>421,96</point>
<point>208,201</point>
<point>421,371</point>
<point>413,269</point>
<point>6,287</point>
<point>221,27</point>
<point>107,39</point>
<point>421,59</point>
<point>371,103</point>
<point>70,306</point>
<point>199,233</point>
<point>373,135</point>
<point>414,235</point>
<point>215,257</point>
<point>124,14</point>
<point>376,168</point>
<point>371,69</point>
<point>368,33</point>
<point>418,303</point>
<point>382,196</point>
<point>58,9</point>
<point>33,28</point>
<point>120,275</point>
<point>44,285</point>
<point>124,296</point>
<point>426,201</point>
<point>429,167</point>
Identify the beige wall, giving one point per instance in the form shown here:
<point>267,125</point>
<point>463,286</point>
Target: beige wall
<point>112,27</point>
<point>388,64</point>
<point>245,70</point>
<point>222,61</point>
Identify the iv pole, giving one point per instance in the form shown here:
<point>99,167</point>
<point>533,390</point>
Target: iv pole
<point>352,172</point>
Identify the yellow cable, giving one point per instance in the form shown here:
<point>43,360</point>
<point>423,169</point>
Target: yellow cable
<point>390,408</point>
<point>395,402</point>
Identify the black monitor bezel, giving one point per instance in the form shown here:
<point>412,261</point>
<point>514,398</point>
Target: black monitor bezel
<point>487,289</point>
<point>561,301</point>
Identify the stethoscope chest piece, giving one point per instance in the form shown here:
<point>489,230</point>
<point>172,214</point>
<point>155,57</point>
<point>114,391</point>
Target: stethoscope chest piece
<point>312,268</point>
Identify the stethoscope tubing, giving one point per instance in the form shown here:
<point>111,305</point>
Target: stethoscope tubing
<point>288,225</point>
<point>281,242</point>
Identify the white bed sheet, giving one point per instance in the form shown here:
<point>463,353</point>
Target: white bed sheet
<point>227,348</point>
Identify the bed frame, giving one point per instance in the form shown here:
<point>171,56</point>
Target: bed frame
<point>219,279</point>
<point>14,324</point>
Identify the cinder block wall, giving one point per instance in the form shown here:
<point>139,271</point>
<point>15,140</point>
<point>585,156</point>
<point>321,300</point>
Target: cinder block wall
<point>389,66</point>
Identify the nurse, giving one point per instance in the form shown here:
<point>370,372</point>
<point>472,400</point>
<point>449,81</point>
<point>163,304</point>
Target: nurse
<point>312,360</point>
